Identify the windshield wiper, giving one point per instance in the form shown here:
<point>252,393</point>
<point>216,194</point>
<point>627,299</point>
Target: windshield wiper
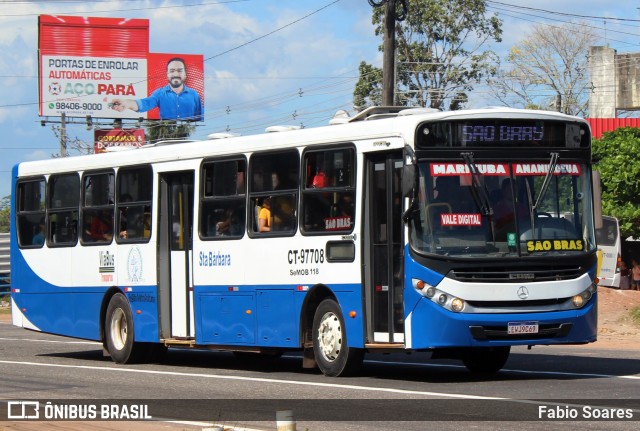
<point>479,192</point>
<point>543,190</point>
<point>547,179</point>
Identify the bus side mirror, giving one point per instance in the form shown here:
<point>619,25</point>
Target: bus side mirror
<point>408,180</point>
<point>597,200</point>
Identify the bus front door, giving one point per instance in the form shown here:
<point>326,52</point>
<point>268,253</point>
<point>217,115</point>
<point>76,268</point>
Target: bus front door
<point>175,255</point>
<point>383,249</point>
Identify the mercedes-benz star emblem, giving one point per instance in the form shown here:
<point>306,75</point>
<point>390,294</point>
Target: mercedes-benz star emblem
<point>523,292</point>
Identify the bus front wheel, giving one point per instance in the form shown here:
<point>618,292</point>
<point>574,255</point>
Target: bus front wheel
<point>331,351</point>
<point>486,359</point>
<point>119,332</point>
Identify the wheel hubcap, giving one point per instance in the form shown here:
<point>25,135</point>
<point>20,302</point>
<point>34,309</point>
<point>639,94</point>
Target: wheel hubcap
<point>119,329</point>
<point>330,336</point>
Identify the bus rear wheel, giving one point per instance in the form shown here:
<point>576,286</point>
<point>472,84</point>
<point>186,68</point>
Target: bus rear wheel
<point>118,328</point>
<point>331,351</point>
<point>486,359</point>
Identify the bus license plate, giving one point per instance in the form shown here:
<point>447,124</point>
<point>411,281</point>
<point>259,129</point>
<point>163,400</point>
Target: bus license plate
<point>522,328</point>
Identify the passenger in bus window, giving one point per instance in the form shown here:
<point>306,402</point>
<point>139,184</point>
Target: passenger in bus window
<point>346,206</point>
<point>123,216</point>
<point>101,229</point>
<point>264,216</point>
<point>283,214</point>
<point>38,238</point>
<point>224,226</point>
<point>319,180</point>
<point>275,181</point>
<point>446,191</point>
<point>505,212</point>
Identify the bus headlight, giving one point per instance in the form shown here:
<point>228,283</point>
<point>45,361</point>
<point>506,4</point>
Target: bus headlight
<point>583,297</point>
<point>578,301</point>
<point>457,305</point>
<point>443,299</point>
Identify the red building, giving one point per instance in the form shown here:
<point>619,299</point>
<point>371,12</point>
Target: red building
<point>601,125</point>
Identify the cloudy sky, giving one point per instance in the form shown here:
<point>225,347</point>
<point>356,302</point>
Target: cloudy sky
<point>267,62</point>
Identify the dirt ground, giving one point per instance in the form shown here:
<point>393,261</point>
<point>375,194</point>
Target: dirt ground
<point>616,329</point>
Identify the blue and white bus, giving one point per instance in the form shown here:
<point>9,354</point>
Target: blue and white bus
<point>461,233</point>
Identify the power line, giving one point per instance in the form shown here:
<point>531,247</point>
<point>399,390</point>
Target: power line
<point>273,31</point>
<point>563,13</point>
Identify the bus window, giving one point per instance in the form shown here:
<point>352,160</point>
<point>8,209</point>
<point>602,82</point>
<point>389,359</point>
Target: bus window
<point>30,213</point>
<point>64,199</point>
<point>97,208</point>
<point>328,196</point>
<point>223,204</point>
<point>133,204</point>
<point>273,191</point>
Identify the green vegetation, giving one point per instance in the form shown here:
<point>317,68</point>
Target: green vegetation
<point>615,156</point>
<point>635,315</point>
<point>442,51</point>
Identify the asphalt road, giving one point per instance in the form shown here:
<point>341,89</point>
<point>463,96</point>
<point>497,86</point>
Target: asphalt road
<point>409,392</point>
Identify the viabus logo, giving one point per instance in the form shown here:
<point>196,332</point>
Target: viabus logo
<point>23,410</point>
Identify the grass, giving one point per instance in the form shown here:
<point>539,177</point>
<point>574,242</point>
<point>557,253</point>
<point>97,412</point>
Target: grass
<point>635,315</point>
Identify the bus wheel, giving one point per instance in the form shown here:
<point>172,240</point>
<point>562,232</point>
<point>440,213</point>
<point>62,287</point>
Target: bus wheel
<point>118,327</point>
<point>485,359</point>
<point>333,356</point>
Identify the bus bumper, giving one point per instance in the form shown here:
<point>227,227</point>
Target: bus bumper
<point>431,326</point>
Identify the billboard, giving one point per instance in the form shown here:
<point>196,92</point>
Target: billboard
<point>117,138</point>
<point>102,67</point>
<point>175,88</point>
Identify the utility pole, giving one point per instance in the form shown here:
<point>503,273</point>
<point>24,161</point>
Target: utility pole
<point>391,15</point>
<point>63,135</point>
<point>388,61</point>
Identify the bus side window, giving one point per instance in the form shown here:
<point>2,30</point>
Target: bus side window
<point>222,201</point>
<point>97,207</point>
<point>273,192</point>
<point>30,213</point>
<point>133,204</point>
<point>62,209</point>
<point>327,203</point>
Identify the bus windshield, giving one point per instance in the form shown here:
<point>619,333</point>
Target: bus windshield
<point>475,209</point>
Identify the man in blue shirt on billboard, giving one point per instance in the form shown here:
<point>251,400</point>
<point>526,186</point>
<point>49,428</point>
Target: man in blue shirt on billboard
<point>175,100</point>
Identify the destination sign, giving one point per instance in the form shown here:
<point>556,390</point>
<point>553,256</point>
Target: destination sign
<point>504,133</point>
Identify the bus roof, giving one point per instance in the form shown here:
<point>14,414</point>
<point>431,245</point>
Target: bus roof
<point>372,124</point>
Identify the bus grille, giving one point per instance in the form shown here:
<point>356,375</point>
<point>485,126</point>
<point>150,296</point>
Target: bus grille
<point>519,303</point>
<point>556,330</point>
<point>515,275</point>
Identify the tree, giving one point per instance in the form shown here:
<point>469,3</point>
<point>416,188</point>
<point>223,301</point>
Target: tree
<point>548,70</point>
<point>615,156</point>
<point>168,129</point>
<point>439,54</point>
<point>5,209</point>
